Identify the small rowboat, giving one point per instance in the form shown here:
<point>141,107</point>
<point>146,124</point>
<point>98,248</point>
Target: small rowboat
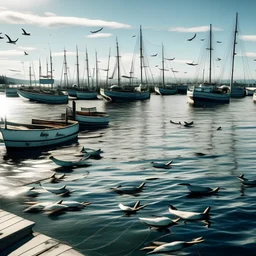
<point>63,163</point>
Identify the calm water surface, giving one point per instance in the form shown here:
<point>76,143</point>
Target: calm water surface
<point>141,132</point>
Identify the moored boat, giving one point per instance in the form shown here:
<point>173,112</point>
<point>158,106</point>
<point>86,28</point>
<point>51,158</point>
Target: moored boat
<point>88,116</point>
<point>122,93</point>
<point>44,95</point>
<point>208,93</point>
<point>40,133</point>
<point>165,89</point>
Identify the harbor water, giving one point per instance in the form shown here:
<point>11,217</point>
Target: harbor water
<point>139,133</point>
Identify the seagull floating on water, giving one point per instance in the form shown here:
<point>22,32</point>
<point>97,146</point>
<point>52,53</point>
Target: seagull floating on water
<point>246,181</point>
<point>200,189</point>
<point>129,189</point>
<point>190,215</point>
<point>159,222</point>
<point>163,247</point>
<point>162,165</point>
<point>130,210</point>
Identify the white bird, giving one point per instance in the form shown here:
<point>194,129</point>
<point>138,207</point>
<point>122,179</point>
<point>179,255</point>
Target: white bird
<point>129,210</point>
<point>162,165</point>
<point>55,207</point>
<point>74,205</point>
<point>129,189</point>
<point>190,215</point>
<point>36,207</point>
<point>61,190</point>
<point>163,247</point>
<point>91,152</point>
<point>246,181</point>
<point>159,222</point>
<point>200,189</point>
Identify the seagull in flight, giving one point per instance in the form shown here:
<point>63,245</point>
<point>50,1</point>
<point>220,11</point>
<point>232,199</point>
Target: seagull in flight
<point>219,42</point>
<point>96,31</point>
<point>190,39</point>
<point>25,53</point>
<point>154,55</point>
<point>25,33</point>
<point>10,40</point>
<point>170,59</point>
<point>191,63</point>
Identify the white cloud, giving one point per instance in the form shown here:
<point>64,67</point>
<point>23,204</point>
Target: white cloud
<point>100,35</point>
<point>250,54</point>
<point>248,38</point>
<point>11,53</point>
<point>14,17</point>
<point>193,29</point>
<point>49,14</point>
<point>27,48</point>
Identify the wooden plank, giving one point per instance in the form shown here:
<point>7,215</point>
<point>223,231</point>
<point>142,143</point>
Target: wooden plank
<point>35,241</point>
<point>6,217</point>
<point>14,233</point>
<point>56,250</point>
<point>43,247</point>
<point>8,223</point>
<point>3,213</point>
<point>70,252</point>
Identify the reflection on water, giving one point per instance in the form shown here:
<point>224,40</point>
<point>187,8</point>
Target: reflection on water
<point>138,133</point>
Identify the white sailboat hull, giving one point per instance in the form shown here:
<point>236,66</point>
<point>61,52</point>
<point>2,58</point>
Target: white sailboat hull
<point>198,96</point>
<point>92,119</point>
<point>124,95</point>
<point>165,90</point>
<point>86,95</point>
<point>38,134</point>
<point>41,97</point>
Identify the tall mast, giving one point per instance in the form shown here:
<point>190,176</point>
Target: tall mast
<point>233,53</point>
<point>51,67</point>
<point>163,63</point>
<point>77,68</point>
<point>96,67</point>
<point>118,64</point>
<point>141,57</point>
<point>40,72</point>
<point>210,70</point>
<point>108,67</point>
<point>87,69</point>
<point>65,68</point>
<point>30,75</point>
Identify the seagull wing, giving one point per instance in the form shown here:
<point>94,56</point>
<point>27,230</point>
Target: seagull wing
<point>96,31</point>
<point>190,39</point>
<point>8,37</point>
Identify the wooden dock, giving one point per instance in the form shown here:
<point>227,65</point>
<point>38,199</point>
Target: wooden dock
<point>17,238</point>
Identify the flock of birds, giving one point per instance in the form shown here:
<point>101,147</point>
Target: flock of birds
<point>160,223</point>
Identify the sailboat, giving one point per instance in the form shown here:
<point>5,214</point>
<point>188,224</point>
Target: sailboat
<point>83,93</point>
<point>208,92</point>
<point>164,89</point>
<point>127,93</point>
<point>237,90</point>
<point>44,95</point>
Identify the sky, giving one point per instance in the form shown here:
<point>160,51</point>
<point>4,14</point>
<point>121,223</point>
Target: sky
<point>55,25</point>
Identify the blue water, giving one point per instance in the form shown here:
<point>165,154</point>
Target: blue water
<point>138,133</point>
